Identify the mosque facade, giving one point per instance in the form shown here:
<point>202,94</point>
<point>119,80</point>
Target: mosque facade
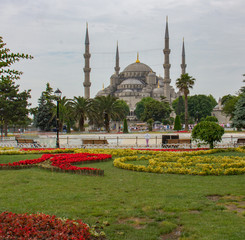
<point>137,80</point>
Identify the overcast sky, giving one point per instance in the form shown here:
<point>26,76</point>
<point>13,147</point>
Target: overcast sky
<point>53,31</point>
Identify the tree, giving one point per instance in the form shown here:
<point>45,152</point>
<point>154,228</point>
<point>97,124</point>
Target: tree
<point>184,83</point>
<point>107,108</point>
<point>156,110</point>
<point>13,103</point>
<point>125,126</point>
<point>140,106</point>
<point>81,109</point>
<point>179,108</point>
<point>208,132</point>
<point>150,123</point>
<point>177,123</point>
<point>65,113</point>
<point>238,120</point>
<point>229,103</point>
<point>200,106</point>
<point>44,116</point>
<point>211,119</point>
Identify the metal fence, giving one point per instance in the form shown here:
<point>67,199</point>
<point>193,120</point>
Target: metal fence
<point>114,141</point>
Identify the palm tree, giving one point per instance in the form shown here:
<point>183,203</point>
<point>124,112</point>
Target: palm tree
<point>64,112</point>
<point>184,83</point>
<point>80,110</point>
<point>107,108</point>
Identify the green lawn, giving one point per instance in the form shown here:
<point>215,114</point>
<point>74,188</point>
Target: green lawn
<point>136,205</point>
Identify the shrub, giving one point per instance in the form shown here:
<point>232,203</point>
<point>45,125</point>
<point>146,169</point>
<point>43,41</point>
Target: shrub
<point>208,132</point>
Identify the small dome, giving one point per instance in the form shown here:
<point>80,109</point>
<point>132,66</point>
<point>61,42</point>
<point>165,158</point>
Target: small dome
<point>131,81</point>
<point>137,67</point>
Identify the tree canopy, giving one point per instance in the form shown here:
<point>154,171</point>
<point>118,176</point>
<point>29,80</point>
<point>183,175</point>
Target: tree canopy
<point>200,106</point>
<point>149,108</point>
<point>209,132</point>
<point>13,103</point>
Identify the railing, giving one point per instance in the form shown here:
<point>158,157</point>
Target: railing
<point>114,141</point>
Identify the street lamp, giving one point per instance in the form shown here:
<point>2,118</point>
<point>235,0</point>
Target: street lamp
<point>58,94</point>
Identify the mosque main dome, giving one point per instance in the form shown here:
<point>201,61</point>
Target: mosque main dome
<point>137,67</point>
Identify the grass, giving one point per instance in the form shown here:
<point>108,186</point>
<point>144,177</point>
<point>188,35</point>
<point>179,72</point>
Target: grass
<point>136,205</point>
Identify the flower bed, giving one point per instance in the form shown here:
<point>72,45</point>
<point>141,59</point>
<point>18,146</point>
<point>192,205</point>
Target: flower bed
<point>62,162</point>
<point>193,163</point>
<point>41,226</point>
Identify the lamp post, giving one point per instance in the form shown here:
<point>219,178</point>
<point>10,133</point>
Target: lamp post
<point>58,94</point>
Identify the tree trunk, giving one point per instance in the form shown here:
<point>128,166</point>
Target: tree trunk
<point>107,123</point>
<point>5,128</point>
<point>186,113</point>
<point>81,125</point>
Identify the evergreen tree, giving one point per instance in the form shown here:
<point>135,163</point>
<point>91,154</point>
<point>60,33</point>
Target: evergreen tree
<point>125,126</point>
<point>13,104</point>
<point>239,113</point>
<point>43,118</point>
<point>177,123</point>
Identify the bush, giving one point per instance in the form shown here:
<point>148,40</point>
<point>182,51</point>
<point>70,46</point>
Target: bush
<point>208,132</point>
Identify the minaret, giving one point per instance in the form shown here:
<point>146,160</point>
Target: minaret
<point>87,68</point>
<point>117,68</point>
<point>166,64</point>
<point>183,65</point>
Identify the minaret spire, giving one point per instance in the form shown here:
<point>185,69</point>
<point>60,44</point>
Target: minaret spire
<point>87,68</point>
<point>166,64</point>
<point>183,64</point>
<point>117,68</point>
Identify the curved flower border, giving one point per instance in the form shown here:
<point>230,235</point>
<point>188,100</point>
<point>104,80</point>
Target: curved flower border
<point>192,163</point>
<point>62,162</point>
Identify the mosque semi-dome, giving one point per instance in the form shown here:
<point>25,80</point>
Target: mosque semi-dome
<point>131,81</point>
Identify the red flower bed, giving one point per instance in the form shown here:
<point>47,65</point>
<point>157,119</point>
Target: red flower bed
<point>171,150</point>
<point>63,162</point>
<point>41,226</point>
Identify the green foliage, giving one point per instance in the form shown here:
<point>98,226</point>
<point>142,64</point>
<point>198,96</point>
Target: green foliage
<point>150,123</point>
<point>212,100</point>
<point>200,106</point>
<point>177,123</point>
<point>140,106</point>
<point>238,120</point>
<point>44,115</point>
<point>179,105</point>
<point>107,108</point>
<point>13,104</point>
<point>208,132</point>
<point>211,119</point>
<point>81,109</point>
<point>125,126</point>
<point>229,103</point>
<point>156,110</point>
<point>184,84</point>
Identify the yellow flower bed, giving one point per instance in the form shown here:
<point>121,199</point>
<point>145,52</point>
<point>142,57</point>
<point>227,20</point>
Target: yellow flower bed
<point>192,163</point>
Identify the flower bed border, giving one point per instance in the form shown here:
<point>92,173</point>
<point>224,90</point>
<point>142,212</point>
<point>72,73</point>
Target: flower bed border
<point>62,163</point>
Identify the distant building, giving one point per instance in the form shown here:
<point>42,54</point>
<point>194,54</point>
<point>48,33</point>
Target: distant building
<point>137,80</point>
<point>217,112</point>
